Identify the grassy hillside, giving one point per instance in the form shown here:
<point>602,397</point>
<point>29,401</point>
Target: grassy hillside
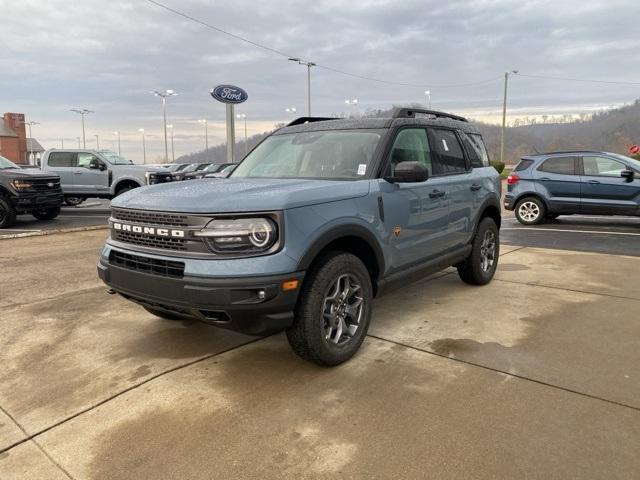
<point>614,130</point>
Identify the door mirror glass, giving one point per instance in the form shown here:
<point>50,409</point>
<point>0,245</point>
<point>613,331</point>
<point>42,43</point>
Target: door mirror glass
<point>628,174</point>
<point>409,172</point>
<point>95,164</point>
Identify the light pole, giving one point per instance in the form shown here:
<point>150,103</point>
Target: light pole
<point>118,134</point>
<point>206,137</point>
<point>308,65</point>
<point>164,94</point>
<point>354,102</point>
<point>78,138</point>
<point>62,143</point>
<point>29,144</point>
<point>246,147</point>
<point>427,94</point>
<point>290,110</point>
<point>144,147</point>
<point>97,141</point>
<point>173,152</point>
<point>82,113</point>
<point>504,113</point>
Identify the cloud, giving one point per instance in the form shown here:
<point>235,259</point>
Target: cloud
<point>107,56</point>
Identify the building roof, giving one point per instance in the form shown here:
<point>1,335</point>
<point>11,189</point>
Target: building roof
<point>5,131</point>
<point>34,146</point>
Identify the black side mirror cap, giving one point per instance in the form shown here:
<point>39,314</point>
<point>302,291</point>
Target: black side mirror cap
<point>628,174</point>
<point>409,172</point>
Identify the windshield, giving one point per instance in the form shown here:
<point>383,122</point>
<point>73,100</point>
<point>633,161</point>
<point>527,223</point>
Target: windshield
<point>115,159</point>
<point>633,162</point>
<point>6,164</point>
<point>202,166</point>
<point>338,154</point>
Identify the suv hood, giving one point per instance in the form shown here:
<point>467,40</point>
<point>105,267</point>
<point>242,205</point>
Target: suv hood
<point>223,195</point>
<point>26,173</point>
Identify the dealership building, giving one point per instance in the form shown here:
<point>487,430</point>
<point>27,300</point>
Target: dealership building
<point>14,143</point>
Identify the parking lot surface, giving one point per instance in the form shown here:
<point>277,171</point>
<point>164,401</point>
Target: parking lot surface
<point>534,375</point>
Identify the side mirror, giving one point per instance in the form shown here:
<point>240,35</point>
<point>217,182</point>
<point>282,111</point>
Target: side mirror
<point>409,172</point>
<point>628,174</point>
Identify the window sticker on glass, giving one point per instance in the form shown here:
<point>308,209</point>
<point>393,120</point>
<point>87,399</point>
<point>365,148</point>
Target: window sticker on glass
<point>362,168</point>
<point>444,144</point>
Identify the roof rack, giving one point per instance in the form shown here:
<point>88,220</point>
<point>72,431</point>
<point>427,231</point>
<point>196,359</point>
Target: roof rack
<point>411,113</point>
<point>301,120</point>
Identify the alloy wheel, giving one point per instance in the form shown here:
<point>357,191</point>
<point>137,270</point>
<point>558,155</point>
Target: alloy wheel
<point>529,211</point>
<point>342,309</point>
<point>488,251</point>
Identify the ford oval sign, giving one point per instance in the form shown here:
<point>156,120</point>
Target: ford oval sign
<point>229,94</point>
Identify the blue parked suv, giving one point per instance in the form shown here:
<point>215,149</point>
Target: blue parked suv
<point>315,222</point>
<point>562,183</point>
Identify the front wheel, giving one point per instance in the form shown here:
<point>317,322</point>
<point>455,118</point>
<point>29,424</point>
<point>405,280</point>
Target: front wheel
<point>74,201</point>
<point>334,310</point>
<point>7,213</point>
<point>46,213</point>
<point>481,265</point>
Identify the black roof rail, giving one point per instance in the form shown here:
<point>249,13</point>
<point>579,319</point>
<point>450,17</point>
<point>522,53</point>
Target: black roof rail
<point>411,113</point>
<point>301,120</point>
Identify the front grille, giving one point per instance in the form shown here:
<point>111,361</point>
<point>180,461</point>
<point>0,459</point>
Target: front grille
<point>164,268</point>
<point>42,185</point>
<point>150,218</point>
<point>168,243</point>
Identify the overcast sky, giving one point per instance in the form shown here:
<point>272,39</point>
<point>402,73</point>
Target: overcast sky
<point>107,56</point>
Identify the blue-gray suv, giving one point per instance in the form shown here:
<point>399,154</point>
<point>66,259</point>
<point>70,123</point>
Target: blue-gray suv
<point>544,186</point>
<point>316,221</point>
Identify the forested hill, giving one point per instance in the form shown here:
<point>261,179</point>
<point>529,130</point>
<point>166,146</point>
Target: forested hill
<point>613,130</point>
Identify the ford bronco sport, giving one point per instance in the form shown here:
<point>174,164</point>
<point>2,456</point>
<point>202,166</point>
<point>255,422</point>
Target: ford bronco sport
<point>316,221</point>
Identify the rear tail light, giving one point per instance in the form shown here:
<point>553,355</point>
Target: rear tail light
<point>513,179</point>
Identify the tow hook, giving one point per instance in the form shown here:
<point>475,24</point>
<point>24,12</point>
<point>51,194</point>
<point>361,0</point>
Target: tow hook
<point>111,291</point>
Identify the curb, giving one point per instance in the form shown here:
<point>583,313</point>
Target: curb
<point>52,232</point>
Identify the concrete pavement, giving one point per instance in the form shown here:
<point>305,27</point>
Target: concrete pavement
<point>534,375</point>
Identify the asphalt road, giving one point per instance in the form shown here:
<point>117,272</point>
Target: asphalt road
<point>613,235</point>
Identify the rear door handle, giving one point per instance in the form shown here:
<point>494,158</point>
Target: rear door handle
<point>475,187</point>
<point>593,181</point>
<point>544,179</point>
<point>436,194</point>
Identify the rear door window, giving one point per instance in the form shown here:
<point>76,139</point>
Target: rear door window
<point>449,157</point>
<point>560,165</point>
<point>62,159</point>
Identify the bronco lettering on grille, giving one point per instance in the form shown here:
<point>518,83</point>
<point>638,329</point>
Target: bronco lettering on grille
<point>158,232</point>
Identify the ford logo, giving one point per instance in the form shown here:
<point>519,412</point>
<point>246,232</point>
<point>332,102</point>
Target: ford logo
<point>229,94</point>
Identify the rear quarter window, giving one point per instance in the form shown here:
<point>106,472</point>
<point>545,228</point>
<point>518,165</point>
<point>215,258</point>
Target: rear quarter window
<point>523,165</point>
<point>481,148</point>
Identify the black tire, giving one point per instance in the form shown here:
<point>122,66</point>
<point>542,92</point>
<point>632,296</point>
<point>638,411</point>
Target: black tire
<point>125,188</point>
<point>74,201</point>
<point>7,213</point>
<point>474,270</point>
<point>530,211</point>
<point>311,332</point>
<point>161,314</point>
<point>47,213</point>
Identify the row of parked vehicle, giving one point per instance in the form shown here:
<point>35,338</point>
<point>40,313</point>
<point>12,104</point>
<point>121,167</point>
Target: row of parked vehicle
<point>175,172</point>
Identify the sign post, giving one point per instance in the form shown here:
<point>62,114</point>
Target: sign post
<point>230,95</point>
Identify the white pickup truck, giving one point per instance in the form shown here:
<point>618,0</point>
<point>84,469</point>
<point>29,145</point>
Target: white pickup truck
<point>91,173</point>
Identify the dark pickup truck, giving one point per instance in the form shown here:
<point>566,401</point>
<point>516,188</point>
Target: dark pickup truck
<point>27,191</point>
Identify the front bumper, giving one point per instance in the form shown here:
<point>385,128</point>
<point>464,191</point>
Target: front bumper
<point>29,202</point>
<point>509,201</point>
<point>232,303</point>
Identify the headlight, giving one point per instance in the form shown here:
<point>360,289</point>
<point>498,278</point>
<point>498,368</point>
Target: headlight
<point>22,185</point>
<point>241,235</point>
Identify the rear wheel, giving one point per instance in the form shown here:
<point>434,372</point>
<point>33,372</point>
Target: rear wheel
<point>334,310</point>
<point>481,265</point>
<point>74,201</point>
<point>162,314</point>
<point>46,213</point>
<point>530,211</point>
<point>7,213</point>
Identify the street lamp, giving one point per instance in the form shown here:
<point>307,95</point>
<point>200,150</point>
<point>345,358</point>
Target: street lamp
<point>118,134</point>
<point>290,110</point>
<point>144,147</point>
<point>164,94</point>
<point>354,102</point>
<point>308,65</point>
<point>173,152</point>
<point>97,141</point>
<point>246,147</point>
<point>30,144</point>
<point>428,98</point>
<point>504,113</point>
<point>206,136</point>
<point>82,113</point>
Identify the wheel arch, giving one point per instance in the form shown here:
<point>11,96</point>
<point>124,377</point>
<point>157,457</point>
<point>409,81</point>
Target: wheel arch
<point>353,239</point>
<point>535,195</point>
<point>489,208</point>
<point>125,182</point>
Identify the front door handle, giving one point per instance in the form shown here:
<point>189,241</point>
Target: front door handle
<point>544,179</point>
<point>436,194</point>
<point>593,181</point>
<point>475,187</point>
<point>77,173</point>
